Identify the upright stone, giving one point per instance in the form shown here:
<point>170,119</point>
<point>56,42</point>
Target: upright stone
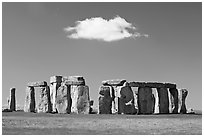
<point>126,100</point>
<point>105,100</point>
<point>115,103</point>
<point>174,93</point>
<point>156,105</point>
<point>44,100</point>
<point>29,100</point>
<point>163,100</point>
<point>74,97</point>
<point>12,100</point>
<point>63,99</point>
<point>55,83</point>
<point>83,100</point>
<point>184,94</point>
<point>145,100</point>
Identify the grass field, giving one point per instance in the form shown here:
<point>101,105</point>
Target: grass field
<point>14,123</point>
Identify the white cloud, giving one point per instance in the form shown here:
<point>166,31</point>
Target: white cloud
<point>102,29</point>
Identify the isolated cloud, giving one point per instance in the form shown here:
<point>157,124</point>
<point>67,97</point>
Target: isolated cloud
<point>102,29</point>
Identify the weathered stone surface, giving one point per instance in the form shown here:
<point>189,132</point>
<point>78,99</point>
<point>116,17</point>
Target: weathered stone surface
<point>53,94</point>
<point>75,80</point>
<point>145,100</point>
<point>114,82</point>
<point>80,99</point>
<point>83,100</point>
<point>163,100</point>
<point>30,100</point>
<point>135,94</point>
<point>105,100</point>
<point>115,102</point>
<point>152,84</point>
<point>63,99</point>
<point>56,79</point>
<point>126,100</point>
<point>174,93</point>
<point>12,100</point>
<point>44,100</point>
<point>156,97</point>
<point>37,84</point>
<point>183,94</point>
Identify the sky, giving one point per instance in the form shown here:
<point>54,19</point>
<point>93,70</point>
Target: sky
<point>134,41</point>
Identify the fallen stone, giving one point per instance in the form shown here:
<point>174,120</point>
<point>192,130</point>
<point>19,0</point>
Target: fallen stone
<point>63,99</point>
<point>56,79</point>
<point>126,100</point>
<point>75,80</point>
<point>114,82</point>
<point>146,100</point>
<point>30,100</point>
<point>37,84</point>
<point>105,100</point>
<point>190,111</point>
<point>163,100</point>
<point>12,100</point>
<point>174,93</point>
<point>44,100</point>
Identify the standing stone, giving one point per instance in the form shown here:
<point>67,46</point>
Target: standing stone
<point>44,103</point>
<point>105,100</point>
<point>163,100</point>
<point>74,97</point>
<point>53,94</point>
<point>83,100</point>
<point>29,100</point>
<point>126,100</point>
<point>63,99</point>
<point>156,97</point>
<point>145,100</point>
<point>115,104</point>
<point>135,94</point>
<point>171,102</point>
<point>55,83</point>
<point>184,94</point>
<point>174,93</point>
<point>12,100</point>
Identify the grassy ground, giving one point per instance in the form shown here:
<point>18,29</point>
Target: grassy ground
<point>36,124</point>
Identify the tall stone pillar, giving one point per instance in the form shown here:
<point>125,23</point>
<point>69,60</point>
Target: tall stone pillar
<point>163,100</point>
<point>156,105</point>
<point>55,83</point>
<point>83,100</point>
<point>174,93</point>
<point>63,99</point>
<point>145,100</point>
<point>184,94</point>
<point>105,100</point>
<point>12,100</point>
<point>30,100</point>
<point>44,100</point>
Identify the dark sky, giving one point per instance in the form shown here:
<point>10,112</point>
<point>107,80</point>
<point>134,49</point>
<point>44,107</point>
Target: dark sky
<point>35,46</point>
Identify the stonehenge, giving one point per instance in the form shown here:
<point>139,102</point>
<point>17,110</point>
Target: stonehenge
<point>150,98</point>
<point>64,95</point>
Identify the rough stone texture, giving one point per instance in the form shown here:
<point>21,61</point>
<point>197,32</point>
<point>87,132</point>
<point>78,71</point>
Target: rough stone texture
<point>56,79</point>
<point>114,82</point>
<point>115,102</point>
<point>105,100</point>
<point>83,100</point>
<point>174,93</point>
<point>171,102</point>
<point>145,100</point>
<point>63,99</point>
<point>184,94</point>
<point>163,100</point>
<point>37,84</point>
<point>75,80</point>
<point>156,105</point>
<point>53,94</point>
<point>30,100</point>
<point>126,100</point>
<point>152,84</point>
<point>135,94</point>
<point>12,100</point>
<point>44,100</point>
<point>80,99</point>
